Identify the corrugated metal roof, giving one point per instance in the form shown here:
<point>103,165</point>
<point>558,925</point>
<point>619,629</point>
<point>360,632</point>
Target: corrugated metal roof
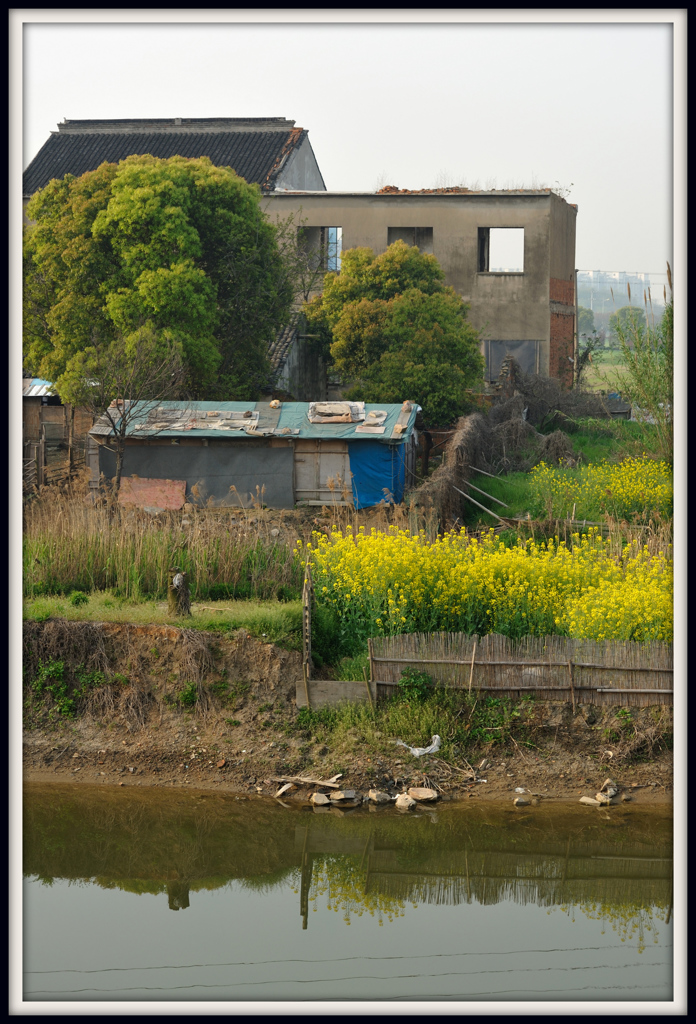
<point>257,156</point>
<point>36,388</point>
<point>291,420</point>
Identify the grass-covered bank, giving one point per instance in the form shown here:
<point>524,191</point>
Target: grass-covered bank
<point>153,683</point>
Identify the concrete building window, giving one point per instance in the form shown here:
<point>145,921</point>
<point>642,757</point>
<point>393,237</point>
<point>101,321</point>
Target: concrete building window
<point>325,243</point>
<point>422,237</point>
<point>500,250</point>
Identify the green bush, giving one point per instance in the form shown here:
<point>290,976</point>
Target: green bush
<point>414,685</point>
<point>188,697</point>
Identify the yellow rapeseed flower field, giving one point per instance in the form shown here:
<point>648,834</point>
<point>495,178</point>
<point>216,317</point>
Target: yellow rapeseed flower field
<point>392,582</point>
<point>631,490</point>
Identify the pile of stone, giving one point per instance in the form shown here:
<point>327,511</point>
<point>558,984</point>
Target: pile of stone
<point>606,796</point>
<point>343,798</point>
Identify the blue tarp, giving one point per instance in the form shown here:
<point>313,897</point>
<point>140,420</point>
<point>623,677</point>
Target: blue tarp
<point>378,472</point>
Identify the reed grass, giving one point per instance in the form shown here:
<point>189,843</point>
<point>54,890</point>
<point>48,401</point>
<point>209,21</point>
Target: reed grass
<point>245,554</point>
<point>69,545</point>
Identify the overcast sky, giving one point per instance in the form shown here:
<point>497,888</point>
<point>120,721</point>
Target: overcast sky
<point>586,105</point>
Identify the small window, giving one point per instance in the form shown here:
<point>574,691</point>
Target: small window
<point>325,244</point>
<point>422,237</point>
<point>501,250</point>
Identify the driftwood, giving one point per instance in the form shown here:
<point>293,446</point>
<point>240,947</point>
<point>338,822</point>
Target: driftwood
<point>301,780</point>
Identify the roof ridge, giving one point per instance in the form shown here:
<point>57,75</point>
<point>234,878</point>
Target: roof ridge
<point>124,126</point>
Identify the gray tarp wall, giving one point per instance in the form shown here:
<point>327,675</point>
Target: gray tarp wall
<point>213,470</point>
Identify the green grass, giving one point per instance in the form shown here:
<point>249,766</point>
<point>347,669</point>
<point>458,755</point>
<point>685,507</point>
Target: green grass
<point>613,440</point>
<point>610,367</point>
<point>595,441</point>
<point>463,722</point>
<point>353,668</point>
<point>272,621</point>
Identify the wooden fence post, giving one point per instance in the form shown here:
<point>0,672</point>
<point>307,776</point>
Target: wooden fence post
<point>473,662</point>
<point>307,629</point>
<point>41,458</point>
<point>572,688</point>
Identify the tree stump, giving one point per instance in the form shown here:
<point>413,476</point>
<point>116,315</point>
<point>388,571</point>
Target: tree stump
<point>178,596</point>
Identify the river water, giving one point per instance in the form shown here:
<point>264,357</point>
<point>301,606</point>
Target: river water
<point>156,895</point>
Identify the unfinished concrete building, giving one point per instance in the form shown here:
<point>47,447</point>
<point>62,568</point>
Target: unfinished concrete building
<point>523,305</point>
<point>526,308</point>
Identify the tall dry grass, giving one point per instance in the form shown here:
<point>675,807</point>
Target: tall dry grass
<point>71,544</point>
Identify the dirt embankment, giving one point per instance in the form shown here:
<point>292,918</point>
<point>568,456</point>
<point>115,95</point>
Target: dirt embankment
<point>181,708</point>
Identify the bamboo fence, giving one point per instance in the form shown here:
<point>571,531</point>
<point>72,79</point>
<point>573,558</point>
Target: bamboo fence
<point>543,880</point>
<point>551,668</point>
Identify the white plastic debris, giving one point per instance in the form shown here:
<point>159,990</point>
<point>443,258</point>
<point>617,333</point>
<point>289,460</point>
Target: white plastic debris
<point>520,789</point>
<point>419,751</point>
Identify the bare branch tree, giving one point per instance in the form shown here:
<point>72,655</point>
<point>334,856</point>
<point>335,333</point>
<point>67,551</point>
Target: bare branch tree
<point>124,383</point>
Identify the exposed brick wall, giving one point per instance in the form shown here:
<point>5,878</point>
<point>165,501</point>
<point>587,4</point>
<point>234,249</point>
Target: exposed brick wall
<point>562,291</point>
<point>561,348</point>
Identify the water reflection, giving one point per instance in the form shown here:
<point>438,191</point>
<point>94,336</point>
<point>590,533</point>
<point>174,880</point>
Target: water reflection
<point>615,868</point>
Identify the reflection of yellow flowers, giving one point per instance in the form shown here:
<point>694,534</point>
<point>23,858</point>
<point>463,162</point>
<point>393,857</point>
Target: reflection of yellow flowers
<point>342,881</point>
<point>400,582</point>
<point>626,919</point>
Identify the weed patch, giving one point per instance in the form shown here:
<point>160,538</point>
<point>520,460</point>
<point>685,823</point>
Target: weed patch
<point>417,712</point>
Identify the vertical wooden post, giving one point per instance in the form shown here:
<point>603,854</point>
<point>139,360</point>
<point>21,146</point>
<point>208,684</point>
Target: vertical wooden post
<point>41,458</point>
<point>71,440</point>
<point>473,662</point>
<point>572,688</point>
<point>372,666</point>
<point>307,630</point>
<point>368,688</point>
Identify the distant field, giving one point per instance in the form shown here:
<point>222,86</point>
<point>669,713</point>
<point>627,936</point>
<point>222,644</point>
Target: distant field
<point>608,369</point>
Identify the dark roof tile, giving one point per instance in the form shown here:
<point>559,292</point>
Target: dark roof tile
<point>257,156</point>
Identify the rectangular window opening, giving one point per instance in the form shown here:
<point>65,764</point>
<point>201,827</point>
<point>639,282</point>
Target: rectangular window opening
<point>422,237</point>
<point>501,250</point>
<point>323,246</point>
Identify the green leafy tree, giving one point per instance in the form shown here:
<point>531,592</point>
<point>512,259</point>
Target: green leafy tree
<point>586,322</point>
<point>179,246</point>
<point>625,320</point>
<point>396,331</point>
<point>648,355</point>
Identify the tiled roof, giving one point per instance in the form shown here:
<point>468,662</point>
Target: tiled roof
<point>280,346</point>
<point>256,149</point>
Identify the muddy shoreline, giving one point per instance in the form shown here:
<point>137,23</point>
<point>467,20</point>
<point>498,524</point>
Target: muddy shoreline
<point>191,711</point>
<point>561,777</point>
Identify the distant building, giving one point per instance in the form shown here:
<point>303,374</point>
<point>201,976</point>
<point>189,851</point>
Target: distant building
<point>524,306</point>
<point>269,151</point>
<point>527,311</point>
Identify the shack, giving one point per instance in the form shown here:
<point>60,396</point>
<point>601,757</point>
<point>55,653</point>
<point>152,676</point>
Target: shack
<point>227,454</point>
